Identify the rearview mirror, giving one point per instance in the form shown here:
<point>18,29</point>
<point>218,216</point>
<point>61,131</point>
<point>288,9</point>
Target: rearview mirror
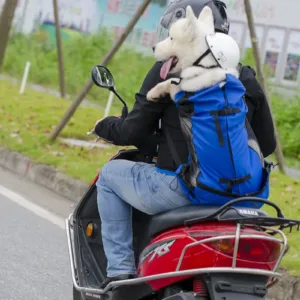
<point>102,77</point>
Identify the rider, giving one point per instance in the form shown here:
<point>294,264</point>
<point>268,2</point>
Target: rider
<point>154,188</point>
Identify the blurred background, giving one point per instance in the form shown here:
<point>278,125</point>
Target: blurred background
<point>277,27</point>
<point>88,29</point>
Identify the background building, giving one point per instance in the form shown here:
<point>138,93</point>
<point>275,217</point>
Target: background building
<point>278,32</point>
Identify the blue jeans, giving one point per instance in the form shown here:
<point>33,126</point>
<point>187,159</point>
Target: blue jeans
<point>121,185</point>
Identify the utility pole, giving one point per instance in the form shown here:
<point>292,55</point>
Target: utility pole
<point>88,85</point>
<point>61,69</point>
<point>6,20</point>
<point>261,79</point>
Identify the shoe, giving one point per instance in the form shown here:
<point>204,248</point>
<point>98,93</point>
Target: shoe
<point>116,278</point>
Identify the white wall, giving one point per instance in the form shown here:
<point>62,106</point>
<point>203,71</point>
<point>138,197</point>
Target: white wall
<point>283,13</point>
<point>278,32</point>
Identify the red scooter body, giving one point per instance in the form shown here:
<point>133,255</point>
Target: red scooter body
<point>162,255</point>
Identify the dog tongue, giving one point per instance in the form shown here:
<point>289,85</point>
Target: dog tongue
<point>165,69</point>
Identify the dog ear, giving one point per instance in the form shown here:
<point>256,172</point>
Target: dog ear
<point>192,21</point>
<point>190,13</point>
<point>207,19</point>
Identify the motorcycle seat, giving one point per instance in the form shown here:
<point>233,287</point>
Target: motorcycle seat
<point>177,217</point>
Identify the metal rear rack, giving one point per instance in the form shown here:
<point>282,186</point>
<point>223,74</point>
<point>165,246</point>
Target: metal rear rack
<point>273,275</point>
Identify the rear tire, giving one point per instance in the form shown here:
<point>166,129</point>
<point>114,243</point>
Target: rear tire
<point>77,295</point>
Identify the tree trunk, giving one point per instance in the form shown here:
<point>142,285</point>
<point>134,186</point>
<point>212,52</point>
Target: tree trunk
<point>88,85</point>
<point>261,79</point>
<point>6,20</point>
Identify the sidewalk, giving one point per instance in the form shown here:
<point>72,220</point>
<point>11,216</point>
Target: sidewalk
<point>295,173</point>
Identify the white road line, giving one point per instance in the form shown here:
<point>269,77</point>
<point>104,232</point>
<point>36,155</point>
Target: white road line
<point>39,211</point>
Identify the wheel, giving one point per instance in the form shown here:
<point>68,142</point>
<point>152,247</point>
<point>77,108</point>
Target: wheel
<point>77,295</point>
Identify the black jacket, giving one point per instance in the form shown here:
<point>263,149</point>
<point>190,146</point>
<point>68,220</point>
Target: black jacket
<point>139,126</point>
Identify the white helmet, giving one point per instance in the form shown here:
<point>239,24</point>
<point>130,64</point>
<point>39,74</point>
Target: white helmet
<point>224,49</point>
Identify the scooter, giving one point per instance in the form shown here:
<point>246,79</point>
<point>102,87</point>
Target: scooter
<point>189,253</point>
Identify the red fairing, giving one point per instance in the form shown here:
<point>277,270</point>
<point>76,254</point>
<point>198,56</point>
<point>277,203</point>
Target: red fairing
<point>163,253</point>
<point>95,179</point>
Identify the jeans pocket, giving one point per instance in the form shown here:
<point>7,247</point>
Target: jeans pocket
<point>172,182</point>
<point>165,192</point>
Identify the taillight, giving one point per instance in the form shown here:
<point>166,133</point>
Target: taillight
<point>249,249</point>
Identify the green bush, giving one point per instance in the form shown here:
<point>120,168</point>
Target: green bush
<point>287,117</point>
<point>80,55</point>
<point>248,58</point>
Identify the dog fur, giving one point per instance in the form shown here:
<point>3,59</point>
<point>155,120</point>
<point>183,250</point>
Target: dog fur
<point>187,42</point>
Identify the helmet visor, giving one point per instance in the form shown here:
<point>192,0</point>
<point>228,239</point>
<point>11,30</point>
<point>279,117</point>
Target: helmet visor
<point>166,21</point>
<point>162,33</point>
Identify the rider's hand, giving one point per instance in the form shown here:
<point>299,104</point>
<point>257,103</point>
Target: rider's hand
<point>94,129</point>
<point>96,124</point>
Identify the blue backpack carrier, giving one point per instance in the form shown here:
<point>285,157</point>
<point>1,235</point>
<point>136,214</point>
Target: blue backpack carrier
<point>225,161</point>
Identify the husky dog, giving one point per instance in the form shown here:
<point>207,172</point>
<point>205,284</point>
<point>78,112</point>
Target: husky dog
<point>187,51</point>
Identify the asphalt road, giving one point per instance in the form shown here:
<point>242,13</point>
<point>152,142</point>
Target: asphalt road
<point>34,263</point>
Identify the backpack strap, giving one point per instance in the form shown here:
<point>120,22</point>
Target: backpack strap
<point>240,68</point>
<point>222,113</point>
<point>231,182</point>
<point>172,147</point>
<point>183,102</point>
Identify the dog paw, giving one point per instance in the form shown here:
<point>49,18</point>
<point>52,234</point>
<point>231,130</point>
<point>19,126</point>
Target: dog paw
<point>153,95</point>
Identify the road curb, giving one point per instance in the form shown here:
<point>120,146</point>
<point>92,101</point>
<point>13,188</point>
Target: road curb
<point>288,288</point>
<point>44,175</point>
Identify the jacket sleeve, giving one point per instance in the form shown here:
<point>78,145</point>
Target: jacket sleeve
<point>261,123</point>
<point>141,121</point>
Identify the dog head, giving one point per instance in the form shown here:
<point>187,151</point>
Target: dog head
<point>186,41</point>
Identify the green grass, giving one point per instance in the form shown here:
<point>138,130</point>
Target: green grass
<point>285,192</point>
<point>26,121</point>
<point>287,117</point>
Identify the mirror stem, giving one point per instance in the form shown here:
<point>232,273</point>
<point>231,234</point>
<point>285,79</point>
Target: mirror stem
<point>114,91</point>
<point>124,112</point>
